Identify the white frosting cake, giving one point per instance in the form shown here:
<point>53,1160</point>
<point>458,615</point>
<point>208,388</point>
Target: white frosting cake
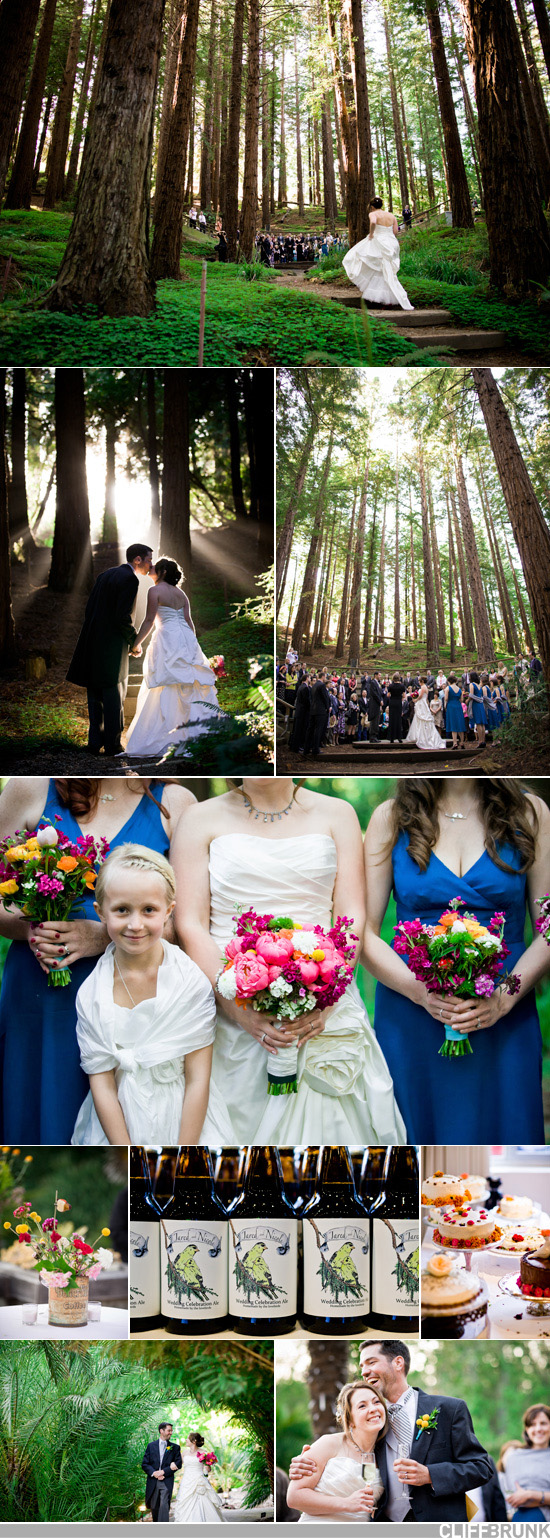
<point>519,1241</point>
<point>449,1286</point>
<point>477,1186</point>
<point>514,1207</point>
<point>439,1189</point>
<point>464,1227</point>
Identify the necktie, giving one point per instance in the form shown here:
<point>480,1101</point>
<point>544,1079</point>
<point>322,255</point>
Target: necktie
<point>400,1423</point>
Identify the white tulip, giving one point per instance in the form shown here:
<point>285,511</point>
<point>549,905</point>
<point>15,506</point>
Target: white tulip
<point>47,836</point>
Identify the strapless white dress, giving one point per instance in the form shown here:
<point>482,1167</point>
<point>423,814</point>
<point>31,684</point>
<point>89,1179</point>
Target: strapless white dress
<point>177,699</point>
<point>345,1093</point>
<point>422,731</point>
<point>196,1500</point>
<point>146,1047</point>
<point>373,266</point>
<point>341,1476</point>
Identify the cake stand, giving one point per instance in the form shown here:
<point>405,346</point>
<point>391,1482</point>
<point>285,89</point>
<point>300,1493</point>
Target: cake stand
<point>536,1306</point>
<point>459,1249</point>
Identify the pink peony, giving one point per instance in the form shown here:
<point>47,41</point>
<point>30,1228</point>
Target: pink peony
<point>54,1278</point>
<point>251,974</point>
<point>309,971</point>
<point>274,972</point>
<point>327,968</point>
<point>271,951</point>
<point>233,947</point>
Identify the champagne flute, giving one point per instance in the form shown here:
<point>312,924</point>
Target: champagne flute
<point>403,1451</point>
<point>371,1476</point>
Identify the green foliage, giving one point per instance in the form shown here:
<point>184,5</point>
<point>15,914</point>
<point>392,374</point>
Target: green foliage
<point>88,1178</point>
<point>294,1426</point>
<point>34,724</point>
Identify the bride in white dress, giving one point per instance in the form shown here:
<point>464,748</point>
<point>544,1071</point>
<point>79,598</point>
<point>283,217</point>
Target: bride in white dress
<point>373,264</point>
<point>196,1500</point>
<point>423,731</point>
<point>177,699</point>
<point>345,1484</point>
<point>295,853</point>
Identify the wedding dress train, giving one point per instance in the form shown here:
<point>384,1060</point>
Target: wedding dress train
<point>373,265</point>
<point>196,1501</point>
<point>345,1093</point>
<point>177,698</point>
<point>422,731</point>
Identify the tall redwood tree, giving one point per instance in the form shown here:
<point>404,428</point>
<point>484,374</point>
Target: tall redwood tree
<point>18,20</point>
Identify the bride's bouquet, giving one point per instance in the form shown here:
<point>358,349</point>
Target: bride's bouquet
<point>285,971</point>
<point>458,957</point>
<point>217,664</point>
<point>46,876</point>
<point>207,1459</point>
<point>543,923</point>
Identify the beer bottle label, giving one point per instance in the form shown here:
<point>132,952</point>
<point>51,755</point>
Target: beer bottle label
<point>336,1267</point>
<point>193,1267</point>
<point>263,1267</point>
<point>395,1261</point>
<point>144,1269</point>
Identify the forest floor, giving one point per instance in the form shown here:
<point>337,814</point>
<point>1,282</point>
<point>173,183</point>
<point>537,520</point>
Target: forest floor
<point>44,725</point>
<point>521,747</point>
<point>252,316</point>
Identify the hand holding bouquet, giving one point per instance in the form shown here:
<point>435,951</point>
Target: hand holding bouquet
<point>209,1459</point>
<point>46,876</point>
<point>458,958</point>
<point>286,971</point>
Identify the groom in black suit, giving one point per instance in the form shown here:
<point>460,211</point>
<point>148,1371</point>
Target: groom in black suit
<point>160,1462</point>
<point>100,662</point>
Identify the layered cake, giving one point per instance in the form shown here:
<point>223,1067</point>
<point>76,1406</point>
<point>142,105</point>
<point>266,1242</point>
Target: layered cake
<point>515,1208</point>
<point>439,1189</point>
<point>534,1271</point>
<point>477,1187</point>
<point>519,1241</point>
<point>466,1228</point>
<point>454,1303</point>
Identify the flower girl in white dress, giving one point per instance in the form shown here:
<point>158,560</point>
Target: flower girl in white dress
<point>146,1019</point>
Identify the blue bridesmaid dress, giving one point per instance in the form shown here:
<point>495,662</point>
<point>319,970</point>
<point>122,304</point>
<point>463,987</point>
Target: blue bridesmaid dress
<point>478,717</point>
<point>494,1096</point>
<point>42,1083</point>
<point>454,714</point>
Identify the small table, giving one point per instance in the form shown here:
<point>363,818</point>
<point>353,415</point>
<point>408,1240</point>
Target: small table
<point>113,1325</point>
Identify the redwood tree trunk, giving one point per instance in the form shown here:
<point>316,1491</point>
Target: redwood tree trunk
<point>531,531</point>
<point>175,535</point>
<point>18,506</point>
<point>543,25</point>
<point>484,640</point>
<point>461,203</point>
<point>249,210</point>
<point>300,633</point>
<point>55,181</point>
<point>21,185</point>
<point>7,627</point>
<point>106,260</point>
<point>285,538</point>
<point>152,451</point>
<point>83,104</point>
<point>205,184</point>
<point>519,248</point>
<point>235,445</point>
<point>71,569</point>
<point>230,209</point>
<point>299,172</point>
<point>169,89</point>
<point>348,133</point>
<point>357,574</point>
<point>432,640</point>
<point>266,144</point>
<point>18,20</point>
<point>343,624</point>
<point>170,199</point>
<point>110,532</point>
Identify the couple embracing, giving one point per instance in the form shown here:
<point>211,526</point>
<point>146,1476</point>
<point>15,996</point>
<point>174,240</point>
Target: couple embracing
<point>178,695</point>
<point>401,1455</point>
<point>196,1500</point>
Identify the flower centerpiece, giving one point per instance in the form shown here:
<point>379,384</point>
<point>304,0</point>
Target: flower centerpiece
<point>66,1264</point>
<point>457,958</point>
<point>46,876</point>
<point>286,971</point>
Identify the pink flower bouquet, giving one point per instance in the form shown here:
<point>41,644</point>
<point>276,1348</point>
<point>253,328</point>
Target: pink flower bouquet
<point>285,970</point>
<point>45,877</point>
<point>217,664</point>
<point>458,957</point>
<point>543,923</point>
<point>61,1259</point>
<point>209,1458</point>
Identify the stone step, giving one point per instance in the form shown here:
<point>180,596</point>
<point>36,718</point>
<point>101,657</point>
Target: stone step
<point>373,760</point>
<point>397,316</point>
<point>458,340</point>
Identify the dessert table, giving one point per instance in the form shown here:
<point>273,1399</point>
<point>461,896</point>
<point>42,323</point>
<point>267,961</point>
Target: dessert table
<point>509,1317</point>
<point>113,1325</point>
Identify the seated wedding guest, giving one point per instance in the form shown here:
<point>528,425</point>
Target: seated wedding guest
<point>145,1018</point>
<point>38,1022</point>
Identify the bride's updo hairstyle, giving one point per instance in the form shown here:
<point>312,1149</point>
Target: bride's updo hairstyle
<point>135,857</point>
<point>507,814</point>
<point>195,1439</point>
<point>344,1406</point>
<point>376,203</point>
<point>168,571</point>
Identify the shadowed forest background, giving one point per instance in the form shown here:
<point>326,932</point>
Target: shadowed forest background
<point>414,529</point>
<point>93,460</point>
<point>117,117</point>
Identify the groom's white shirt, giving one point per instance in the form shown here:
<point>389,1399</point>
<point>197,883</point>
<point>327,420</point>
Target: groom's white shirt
<point>398,1503</point>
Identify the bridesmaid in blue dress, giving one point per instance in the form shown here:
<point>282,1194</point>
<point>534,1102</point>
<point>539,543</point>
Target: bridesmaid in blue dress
<point>455,724</point>
<point>489,843</point>
<point>43,1085</point>
<point>478,716</point>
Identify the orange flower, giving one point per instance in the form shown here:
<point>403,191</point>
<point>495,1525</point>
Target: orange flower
<point>446,920</point>
<point>90,878</point>
<point>68,862</point>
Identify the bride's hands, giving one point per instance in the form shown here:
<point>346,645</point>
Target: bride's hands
<point>269,1035</point>
<point>361,1500</point>
<point>61,944</point>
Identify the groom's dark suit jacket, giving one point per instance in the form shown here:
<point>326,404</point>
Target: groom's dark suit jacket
<point>151,1463</point>
<point>100,659</point>
<point>456,1460</point>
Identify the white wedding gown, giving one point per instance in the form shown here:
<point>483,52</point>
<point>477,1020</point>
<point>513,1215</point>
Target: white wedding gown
<point>345,1093</point>
<point>340,1476</point>
<point>177,698</point>
<point>373,266</point>
<point>196,1500</point>
<point>146,1047</point>
<point>422,731</point>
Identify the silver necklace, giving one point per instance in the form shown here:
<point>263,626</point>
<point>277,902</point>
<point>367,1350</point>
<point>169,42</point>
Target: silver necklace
<point>109,797</point>
<point>457,816</point>
<point>267,816</point>
<point>124,984</point>
<point>365,1457</point>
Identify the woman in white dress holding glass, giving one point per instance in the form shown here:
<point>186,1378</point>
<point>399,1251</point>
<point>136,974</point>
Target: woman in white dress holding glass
<point>346,1485</point>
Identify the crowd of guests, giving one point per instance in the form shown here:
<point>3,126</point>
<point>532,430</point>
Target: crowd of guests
<point>283,250</point>
<point>330,708</point>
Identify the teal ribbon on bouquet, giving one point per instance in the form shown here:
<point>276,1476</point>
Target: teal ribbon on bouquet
<point>456,1044</point>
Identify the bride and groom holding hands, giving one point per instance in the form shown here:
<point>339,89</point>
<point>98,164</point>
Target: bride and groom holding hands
<point>401,1455</point>
<point>196,1499</point>
<point>178,696</point>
